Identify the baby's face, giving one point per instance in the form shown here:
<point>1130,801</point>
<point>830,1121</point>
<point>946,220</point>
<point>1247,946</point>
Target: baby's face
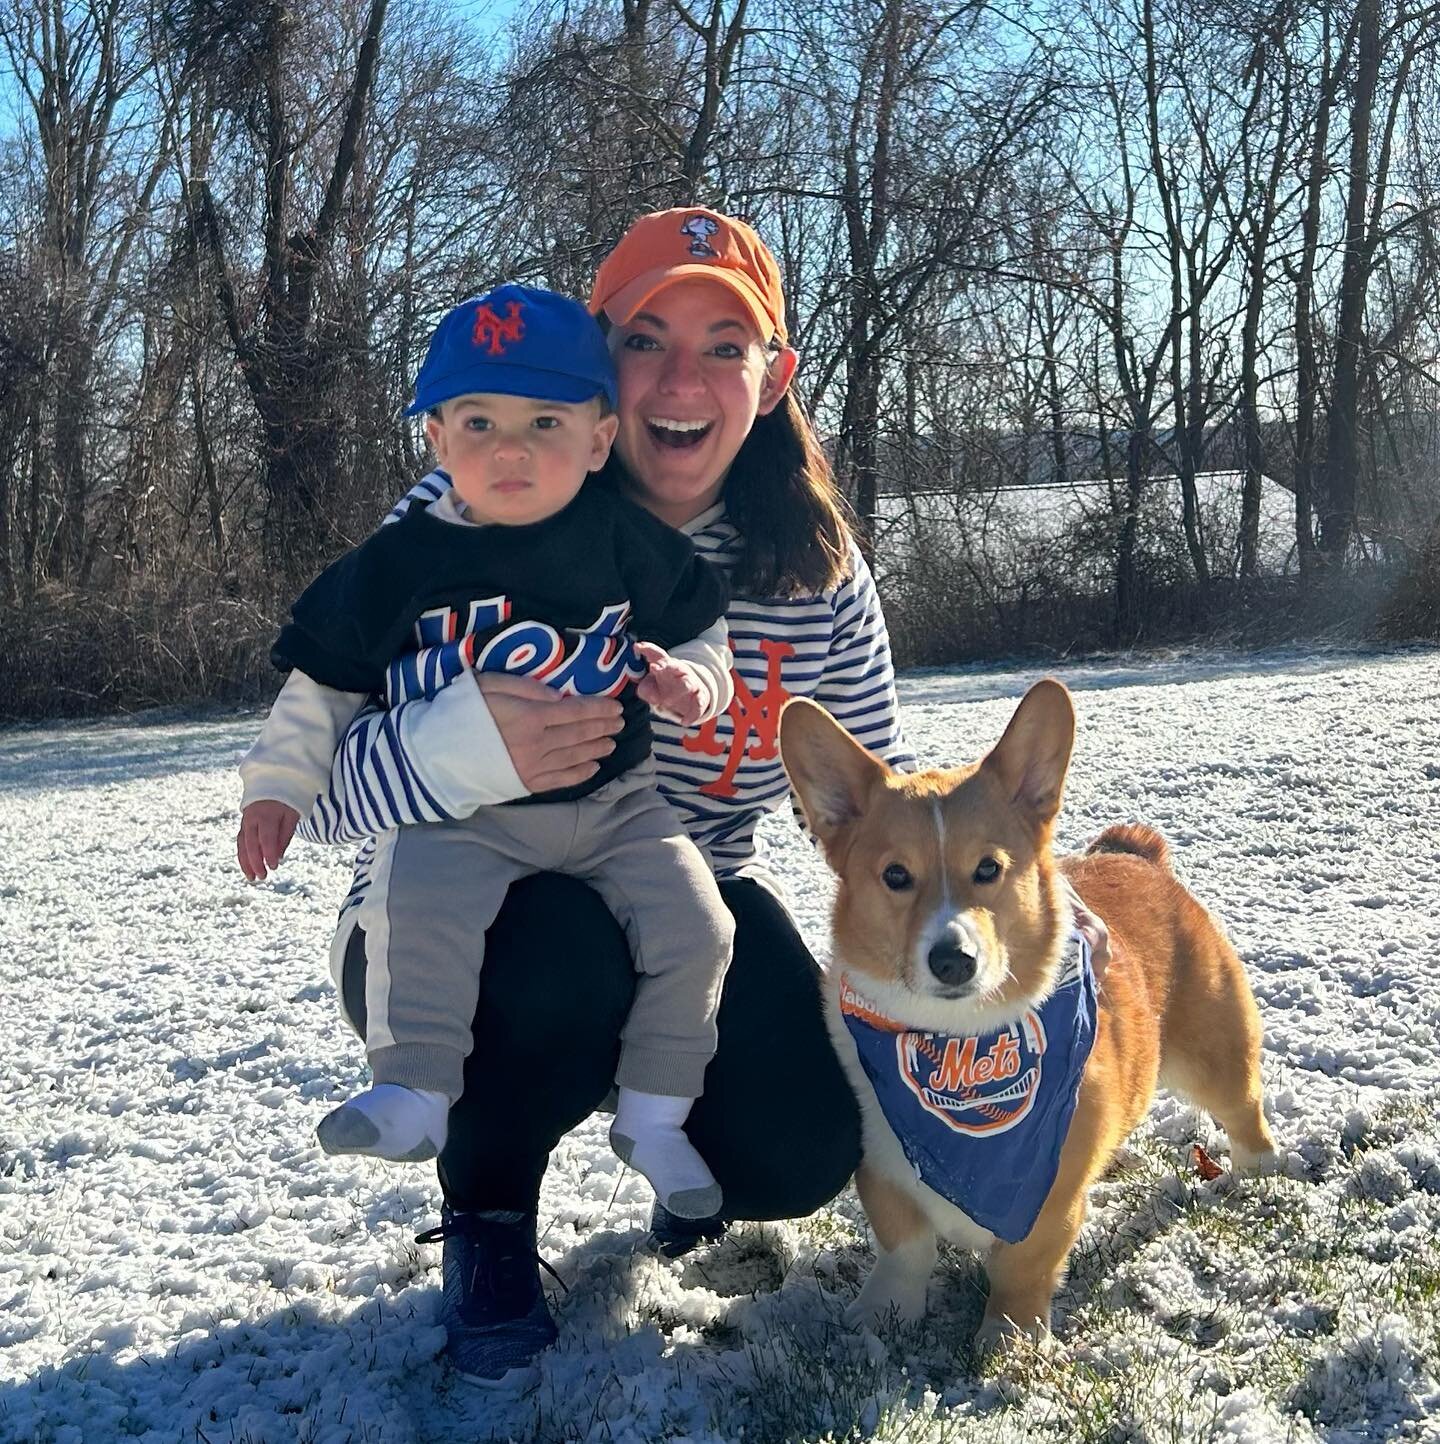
<point>515,459</point>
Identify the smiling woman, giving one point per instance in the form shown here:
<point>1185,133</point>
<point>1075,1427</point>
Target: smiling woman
<point>711,441</point>
<point>693,379</point>
<point>699,334</point>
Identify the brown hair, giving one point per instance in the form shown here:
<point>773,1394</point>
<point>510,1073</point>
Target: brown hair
<point>781,494</point>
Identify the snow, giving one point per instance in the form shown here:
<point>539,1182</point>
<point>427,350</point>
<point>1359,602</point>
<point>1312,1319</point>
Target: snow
<point>1014,527</point>
<point>180,1262</point>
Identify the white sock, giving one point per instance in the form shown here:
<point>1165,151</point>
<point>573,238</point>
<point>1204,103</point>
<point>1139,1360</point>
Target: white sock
<point>648,1134</point>
<point>404,1125</point>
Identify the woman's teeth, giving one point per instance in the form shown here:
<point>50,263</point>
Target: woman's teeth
<point>669,432</point>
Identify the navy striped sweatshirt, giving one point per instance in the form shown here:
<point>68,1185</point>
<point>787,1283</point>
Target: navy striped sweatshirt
<point>722,777</point>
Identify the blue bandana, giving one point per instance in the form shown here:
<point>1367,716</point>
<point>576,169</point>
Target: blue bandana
<point>982,1118</point>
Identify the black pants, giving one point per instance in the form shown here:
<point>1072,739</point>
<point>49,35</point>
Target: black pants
<point>778,1123</point>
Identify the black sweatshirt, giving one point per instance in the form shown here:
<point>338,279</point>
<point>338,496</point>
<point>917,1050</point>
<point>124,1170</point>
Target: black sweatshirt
<point>561,599</point>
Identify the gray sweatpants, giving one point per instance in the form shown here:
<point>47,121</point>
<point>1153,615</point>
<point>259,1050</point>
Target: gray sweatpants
<point>437,886</point>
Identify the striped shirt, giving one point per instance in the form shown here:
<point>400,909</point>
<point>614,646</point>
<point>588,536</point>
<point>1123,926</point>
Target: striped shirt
<point>723,776</point>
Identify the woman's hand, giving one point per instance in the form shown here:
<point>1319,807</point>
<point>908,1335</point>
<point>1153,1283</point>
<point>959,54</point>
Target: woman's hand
<point>553,741</point>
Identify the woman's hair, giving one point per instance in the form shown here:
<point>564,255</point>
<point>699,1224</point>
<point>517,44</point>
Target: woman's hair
<point>781,494</point>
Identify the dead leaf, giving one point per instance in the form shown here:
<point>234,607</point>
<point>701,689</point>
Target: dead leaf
<point>1205,1166</point>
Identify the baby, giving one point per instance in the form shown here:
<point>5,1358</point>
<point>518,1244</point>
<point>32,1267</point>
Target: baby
<point>520,568</point>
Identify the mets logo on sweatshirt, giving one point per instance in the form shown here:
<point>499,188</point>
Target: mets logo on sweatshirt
<point>976,1084</point>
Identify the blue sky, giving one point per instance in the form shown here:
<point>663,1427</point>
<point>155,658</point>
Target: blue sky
<point>490,14</point>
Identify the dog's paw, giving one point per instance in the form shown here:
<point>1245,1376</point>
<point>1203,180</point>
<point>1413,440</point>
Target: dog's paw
<point>1247,1164</point>
<point>990,1340</point>
<point>997,1334</point>
<point>877,1308</point>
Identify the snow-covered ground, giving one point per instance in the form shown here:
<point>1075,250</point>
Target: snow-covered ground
<point>1012,528</point>
<point>178,1261</point>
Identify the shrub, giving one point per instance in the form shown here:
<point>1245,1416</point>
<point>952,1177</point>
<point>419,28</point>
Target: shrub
<point>68,652</point>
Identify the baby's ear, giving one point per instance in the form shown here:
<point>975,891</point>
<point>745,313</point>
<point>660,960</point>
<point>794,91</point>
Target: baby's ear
<point>605,430</point>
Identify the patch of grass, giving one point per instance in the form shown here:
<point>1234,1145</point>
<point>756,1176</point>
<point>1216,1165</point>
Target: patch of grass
<point>1387,1123</point>
<point>1412,1281</point>
<point>832,1230</point>
<point>1287,1309</point>
<point>802,1389</point>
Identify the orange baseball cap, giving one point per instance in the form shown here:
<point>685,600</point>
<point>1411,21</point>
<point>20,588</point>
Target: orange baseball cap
<point>669,246</point>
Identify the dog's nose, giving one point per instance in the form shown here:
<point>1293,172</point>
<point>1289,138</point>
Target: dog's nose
<point>951,963</point>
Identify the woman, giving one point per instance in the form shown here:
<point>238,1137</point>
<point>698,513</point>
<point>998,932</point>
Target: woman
<point>712,442</point>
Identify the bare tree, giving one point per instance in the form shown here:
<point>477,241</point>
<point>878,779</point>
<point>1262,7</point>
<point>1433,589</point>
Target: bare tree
<point>74,63</point>
<point>288,370</point>
<point>1109,244</point>
<point>1401,34</point>
<point>1270,122</point>
<point>931,113</point>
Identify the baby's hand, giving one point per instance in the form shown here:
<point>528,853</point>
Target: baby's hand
<point>672,688</point>
<point>265,832</point>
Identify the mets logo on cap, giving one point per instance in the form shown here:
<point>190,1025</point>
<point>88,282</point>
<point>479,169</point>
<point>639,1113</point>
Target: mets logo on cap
<point>979,1085</point>
<point>495,332</point>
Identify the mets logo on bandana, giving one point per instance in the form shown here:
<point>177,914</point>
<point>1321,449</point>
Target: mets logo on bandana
<point>977,1085</point>
<point>496,332</point>
<point>700,229</point>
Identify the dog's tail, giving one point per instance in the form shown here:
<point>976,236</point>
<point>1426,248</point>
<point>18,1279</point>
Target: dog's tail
<point>1134,838</point>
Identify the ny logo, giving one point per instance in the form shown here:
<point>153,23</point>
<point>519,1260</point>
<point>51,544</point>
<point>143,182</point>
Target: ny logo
<point>490,327</point>
<point>751,716</point>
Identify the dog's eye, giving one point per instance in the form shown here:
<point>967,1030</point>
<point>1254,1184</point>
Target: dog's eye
<point>897,877</point>
<point>988,870</point>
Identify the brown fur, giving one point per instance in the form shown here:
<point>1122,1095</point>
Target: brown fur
<point>1136,838</point>
<point>1174,1002</point>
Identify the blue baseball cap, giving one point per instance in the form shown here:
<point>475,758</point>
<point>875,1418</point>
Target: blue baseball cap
<point>517,341</point>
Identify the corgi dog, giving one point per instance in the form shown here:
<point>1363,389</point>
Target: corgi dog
<point>995,1079</point>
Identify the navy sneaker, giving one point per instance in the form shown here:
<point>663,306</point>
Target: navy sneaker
<point>493,1308</point>
<point>674,1236</point>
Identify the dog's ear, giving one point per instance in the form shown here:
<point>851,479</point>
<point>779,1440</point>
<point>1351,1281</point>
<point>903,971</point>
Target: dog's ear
<point>1033,756</point>
<point>831,772</point>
